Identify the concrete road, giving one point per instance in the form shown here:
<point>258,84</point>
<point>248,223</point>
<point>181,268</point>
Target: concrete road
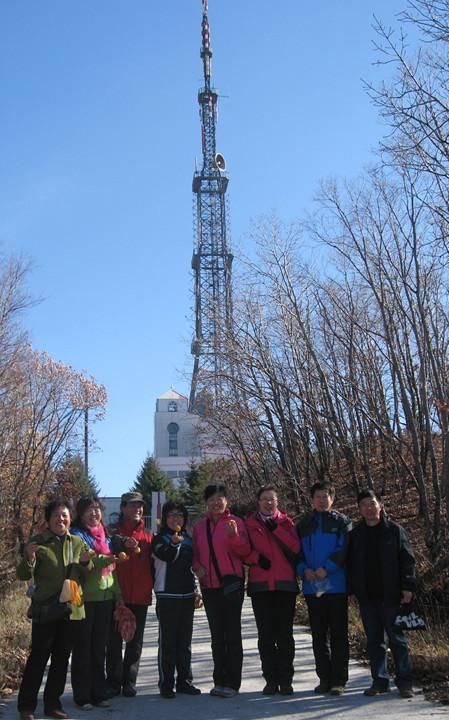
<point>250,704</point>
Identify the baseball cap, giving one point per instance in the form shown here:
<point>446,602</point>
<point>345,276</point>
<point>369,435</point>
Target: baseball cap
<point>129,497</point>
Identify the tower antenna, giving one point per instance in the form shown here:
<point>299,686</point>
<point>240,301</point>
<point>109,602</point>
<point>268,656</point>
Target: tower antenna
<point>211,260</point>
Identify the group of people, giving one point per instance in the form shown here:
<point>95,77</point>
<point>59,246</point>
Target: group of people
<point>111,576</point>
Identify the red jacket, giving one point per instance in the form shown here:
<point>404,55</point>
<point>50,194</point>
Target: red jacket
<point>280,547</point>
<point>135,576</point>
<point>229,551</point>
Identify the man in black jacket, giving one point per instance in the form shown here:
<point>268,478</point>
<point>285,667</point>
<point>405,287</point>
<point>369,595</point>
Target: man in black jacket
<point>381,568</point>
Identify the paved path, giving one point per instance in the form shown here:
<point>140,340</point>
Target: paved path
<point>250,704</point>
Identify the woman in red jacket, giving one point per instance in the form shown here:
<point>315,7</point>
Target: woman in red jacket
<point>220,543</point>
<point>272,586</point>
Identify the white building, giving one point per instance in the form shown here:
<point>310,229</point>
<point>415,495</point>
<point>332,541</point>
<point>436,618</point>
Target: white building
<point>176,444</point>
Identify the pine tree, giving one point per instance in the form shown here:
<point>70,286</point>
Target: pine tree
<point>151,479</point>
<point>70,479</point>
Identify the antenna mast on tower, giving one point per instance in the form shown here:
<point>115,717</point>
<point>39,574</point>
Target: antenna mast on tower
<point>211,261</point>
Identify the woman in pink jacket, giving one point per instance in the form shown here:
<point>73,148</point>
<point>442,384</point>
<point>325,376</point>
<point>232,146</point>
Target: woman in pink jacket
<point>220,543</point>
<point>272,586</point>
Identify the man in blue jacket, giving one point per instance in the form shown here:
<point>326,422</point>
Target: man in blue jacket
<point>321,566</point>
<point>381,568</point>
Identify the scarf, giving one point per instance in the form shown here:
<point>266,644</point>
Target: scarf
<point>101,545</point>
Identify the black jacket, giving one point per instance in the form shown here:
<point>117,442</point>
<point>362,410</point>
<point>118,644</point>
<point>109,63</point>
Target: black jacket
<point>173,574</point>
<point>396,559</point>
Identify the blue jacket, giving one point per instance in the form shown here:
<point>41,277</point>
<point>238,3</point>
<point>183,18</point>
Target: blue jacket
<point>324,543</point>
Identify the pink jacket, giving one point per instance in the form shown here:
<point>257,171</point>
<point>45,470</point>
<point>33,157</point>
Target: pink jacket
<point>229,551</point>
<point>280,547</point>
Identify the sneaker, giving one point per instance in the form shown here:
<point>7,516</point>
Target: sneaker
<point>321,689</point>
<point>337,690</point>
<point>86,706</point>
<point>270,689</point>
<point>406,692</point>
<point>373,690</point>
<point>217,690</point>
<point>168,694</point>
<point>188,689</point>
<point>129,691</point>
<point>286,690</point>
<point>102,704</point>
<point>228,692</point>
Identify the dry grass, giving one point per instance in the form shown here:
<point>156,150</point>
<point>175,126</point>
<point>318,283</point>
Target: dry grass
<point>14,638</point>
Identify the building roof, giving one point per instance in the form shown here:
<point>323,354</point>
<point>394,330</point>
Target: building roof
<point>172,395</point>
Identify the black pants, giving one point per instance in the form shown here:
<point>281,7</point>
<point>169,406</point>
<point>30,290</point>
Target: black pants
<point>175,641</point>
<point>328,617</point>
<point>274,612</point>
<point>53,640</point>
<point>224,614</point>
<point>89,653</point>
<point>122,670</point>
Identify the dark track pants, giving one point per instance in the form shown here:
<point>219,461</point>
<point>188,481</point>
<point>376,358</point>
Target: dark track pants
<point>89,653</point>
<point>274,612</point>
<point>224,614</point>
<point>122,670</point>
<point>175,617</point>
<point>52,640</point>
<point>328,617</point>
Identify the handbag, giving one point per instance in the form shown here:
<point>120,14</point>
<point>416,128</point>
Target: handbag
<point>50,610</point>
<point>229,583</point>
<point>409,619</point>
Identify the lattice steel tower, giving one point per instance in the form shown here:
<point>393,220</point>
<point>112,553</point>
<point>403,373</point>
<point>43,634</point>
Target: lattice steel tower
<point>211,261</point>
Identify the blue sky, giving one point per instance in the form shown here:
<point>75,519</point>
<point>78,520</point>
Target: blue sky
<point>99,130</point>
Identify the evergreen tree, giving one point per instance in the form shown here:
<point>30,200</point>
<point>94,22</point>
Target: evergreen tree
<point>71,481</point>
<point>151,479</point>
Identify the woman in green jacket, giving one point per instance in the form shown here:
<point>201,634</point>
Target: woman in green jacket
<point>100,590</point>
<point>50,558</point>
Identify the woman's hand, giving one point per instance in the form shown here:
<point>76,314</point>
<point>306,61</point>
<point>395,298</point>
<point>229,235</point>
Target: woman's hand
<point>30,551</point>
<point>130,543</point>
<point>231,528</point>
<point>320,573</point>
<point>200,572</point>
<point>198,601</point>
<point>86,556</point>
<point>310,575</point>
<point>176,538</point>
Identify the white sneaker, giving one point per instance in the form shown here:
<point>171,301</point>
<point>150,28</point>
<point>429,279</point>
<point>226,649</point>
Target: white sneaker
<point>217,690</point>
<point>228,692</point>
<point>86,706</point>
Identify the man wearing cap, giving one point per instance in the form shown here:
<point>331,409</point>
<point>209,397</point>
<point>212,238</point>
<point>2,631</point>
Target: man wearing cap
<point>136,584</point>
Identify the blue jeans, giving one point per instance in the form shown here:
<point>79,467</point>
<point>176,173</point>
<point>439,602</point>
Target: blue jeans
<point>378,621</point>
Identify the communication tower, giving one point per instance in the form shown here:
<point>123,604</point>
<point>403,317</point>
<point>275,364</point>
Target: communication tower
<point>211,260</point>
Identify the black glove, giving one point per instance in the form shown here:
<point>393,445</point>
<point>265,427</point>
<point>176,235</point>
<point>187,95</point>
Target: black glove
<point>264,562</point>
<point>271,524</point>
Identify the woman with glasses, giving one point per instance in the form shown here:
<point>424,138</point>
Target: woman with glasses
<point>177,596</point>
<point>101,590</point>
<point>272,587</point>
<point>220,544</point>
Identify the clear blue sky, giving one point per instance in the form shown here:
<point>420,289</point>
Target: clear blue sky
<point>99,130</point>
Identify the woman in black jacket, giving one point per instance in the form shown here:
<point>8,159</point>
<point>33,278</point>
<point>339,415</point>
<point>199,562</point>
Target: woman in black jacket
<point>177,595</point>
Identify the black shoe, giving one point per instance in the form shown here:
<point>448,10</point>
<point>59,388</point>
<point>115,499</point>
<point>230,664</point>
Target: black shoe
<point>270,689</point>
<point>188,689</point>
<point>406,692</point>
<point>286,690</point>
<point>129,691</point>
<point>322,688</point>
<point>374,690</point>
<point>168,694</point>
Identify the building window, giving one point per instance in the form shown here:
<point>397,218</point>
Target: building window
<point>173,429</point>
<point>172,406</point>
